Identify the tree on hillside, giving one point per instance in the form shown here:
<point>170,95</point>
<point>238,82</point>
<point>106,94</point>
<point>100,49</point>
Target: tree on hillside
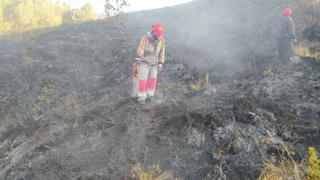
<point>114,7</point>
<point>4,24</point>
<point>25,15</point>
<point>84,14</point>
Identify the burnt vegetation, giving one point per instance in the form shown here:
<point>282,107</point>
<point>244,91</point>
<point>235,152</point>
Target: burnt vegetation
<point>65,111</point>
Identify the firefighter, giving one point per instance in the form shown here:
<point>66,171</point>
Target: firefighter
<point>287,36</point>
<point>150,60</point>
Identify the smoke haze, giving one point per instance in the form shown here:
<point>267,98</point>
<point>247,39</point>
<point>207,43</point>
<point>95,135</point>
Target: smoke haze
<point>212,32</point>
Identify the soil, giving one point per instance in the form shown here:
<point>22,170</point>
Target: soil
<point>66,112</point>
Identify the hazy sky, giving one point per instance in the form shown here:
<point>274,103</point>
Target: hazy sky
<point>134,4</point>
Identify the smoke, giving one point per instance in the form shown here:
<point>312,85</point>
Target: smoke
<point>216,32</point>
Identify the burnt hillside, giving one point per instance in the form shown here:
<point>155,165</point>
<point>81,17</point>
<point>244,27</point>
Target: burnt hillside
<point>65,111</point>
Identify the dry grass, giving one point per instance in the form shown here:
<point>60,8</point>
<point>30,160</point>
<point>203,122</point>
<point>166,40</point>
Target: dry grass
<point>305,52</point>
<point>286,168</point>
<point>153,173</point>
<point>268,73</point>
<point>3,129</point>
<point>283,168</point>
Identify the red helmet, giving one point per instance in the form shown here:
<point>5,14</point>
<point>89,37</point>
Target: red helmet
<point>287,11</point>
<point>157,29</point>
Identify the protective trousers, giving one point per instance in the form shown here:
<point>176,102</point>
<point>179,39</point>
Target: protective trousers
<point>285,49</point>
<point>144,80</point>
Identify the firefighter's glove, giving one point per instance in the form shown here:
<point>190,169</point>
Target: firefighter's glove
<point>160,67</point>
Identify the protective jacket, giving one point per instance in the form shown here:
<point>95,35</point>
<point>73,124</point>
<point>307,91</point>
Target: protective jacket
<point>288,28</point>
<point>151,51</point>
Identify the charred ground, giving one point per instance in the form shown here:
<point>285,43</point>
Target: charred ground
<point>65,111</point>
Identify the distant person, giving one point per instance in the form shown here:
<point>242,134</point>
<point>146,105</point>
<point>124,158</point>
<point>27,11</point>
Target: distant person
<point>150,60</point>
<point>287,36</point>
